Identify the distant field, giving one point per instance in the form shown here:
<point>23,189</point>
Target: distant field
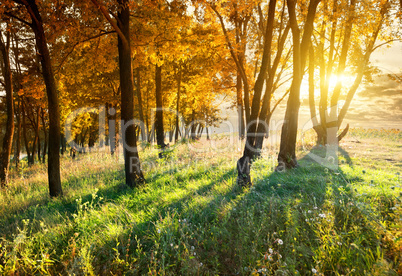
<point>191,217</point>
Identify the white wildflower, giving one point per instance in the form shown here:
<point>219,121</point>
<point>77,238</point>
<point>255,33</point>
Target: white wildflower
<point>280,242</point>
<point>270,251</point>
<point>314,270</point>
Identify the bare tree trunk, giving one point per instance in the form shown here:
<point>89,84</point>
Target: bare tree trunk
<point>112,129</point>
<point>24,131</point>
<point>8,138</point>
<point>244,163</point>
<point>38,131</point>
<point>53,100</point>
<point>133,172</point>
<point>160,137</point>
<point>18,139</point>
<point>18,111</point>
<point>176,137</point>
<point>287,152</point>
<point>44,152</point>
<point>321,134</point>
<point>140,109</point>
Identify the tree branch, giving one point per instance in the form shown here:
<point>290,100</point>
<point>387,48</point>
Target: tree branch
<point>114,25</point>
<point>386,42</point>
<point>79,42</point>
<point>19,19</point>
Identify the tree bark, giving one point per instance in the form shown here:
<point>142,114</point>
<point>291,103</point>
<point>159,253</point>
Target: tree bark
<point>160,137</point>
<point>38,132</point>
<point>44,152</point>
<point>18,138</point>
<point>176,137</point>
<point>53,100</point>
<point>24,130</point>
<point>244,163</point>
<point>18,111</point>
<point>8,138</point>
<point>140,109</point>
<point>133,172</point>
<point>287,152</point>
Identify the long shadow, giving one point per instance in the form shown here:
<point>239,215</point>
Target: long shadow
<point>64,208</point>
<point>321,152</point>
<point>296,188</point>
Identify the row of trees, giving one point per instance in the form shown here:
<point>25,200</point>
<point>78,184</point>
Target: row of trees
<point>58,56</point>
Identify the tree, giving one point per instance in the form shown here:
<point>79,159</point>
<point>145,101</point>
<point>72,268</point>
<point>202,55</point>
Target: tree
<point>287,151</point>
<point>8,85</point>
<point>37,27</point>
<point>133,173</point>
<point>353,36</point>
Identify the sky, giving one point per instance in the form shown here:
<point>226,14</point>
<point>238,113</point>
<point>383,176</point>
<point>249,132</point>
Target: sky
<point>376,105</point>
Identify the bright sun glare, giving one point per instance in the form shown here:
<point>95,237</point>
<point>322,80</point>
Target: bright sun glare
<point>346,80</point>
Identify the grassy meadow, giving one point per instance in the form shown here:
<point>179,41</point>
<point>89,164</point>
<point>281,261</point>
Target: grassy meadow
<point>191,218</point>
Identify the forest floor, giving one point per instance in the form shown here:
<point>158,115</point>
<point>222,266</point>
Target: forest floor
<point>191,218</point>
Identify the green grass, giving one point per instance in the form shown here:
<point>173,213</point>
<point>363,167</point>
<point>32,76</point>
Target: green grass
<point>191,217</point>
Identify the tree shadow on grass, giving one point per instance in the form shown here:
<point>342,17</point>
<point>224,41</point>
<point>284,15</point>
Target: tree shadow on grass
<point>229,228</point>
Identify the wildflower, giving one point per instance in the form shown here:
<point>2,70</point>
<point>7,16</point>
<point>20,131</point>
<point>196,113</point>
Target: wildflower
<point>339,243</point>
<point>159,231</point>
<point>201,264</point>
<point>315,207</point>
<point>192,247</point>
<point>280,241</point>
<point>195,253</point>
<point>314,270</point>
<point>309,211</point>
<point>306,220</point>
<point>270,251</point>
<point>321,215</point>
<point>171,245</point>
<point>269,257</point>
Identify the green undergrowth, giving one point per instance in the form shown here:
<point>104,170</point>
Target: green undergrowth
<point>192,218</point>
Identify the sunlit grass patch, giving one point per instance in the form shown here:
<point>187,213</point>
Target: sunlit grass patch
<point>192,218</point>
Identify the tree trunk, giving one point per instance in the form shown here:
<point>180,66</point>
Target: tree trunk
<point>112,129</point>
<point>140,110</point>
<point>18,138</point>
<point>24,131</point>
<point>18,111</point>
<point>321,134</point>
<point>160,137</point>
<point>176,137</point>
<point>193,125</point>
<point>8,138</point>
<point>46,139</point>
<point>133,171</point>
<point>287,152</point>
<point>38,132</point>
<point>244,163</point>
<point>53,100</point>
